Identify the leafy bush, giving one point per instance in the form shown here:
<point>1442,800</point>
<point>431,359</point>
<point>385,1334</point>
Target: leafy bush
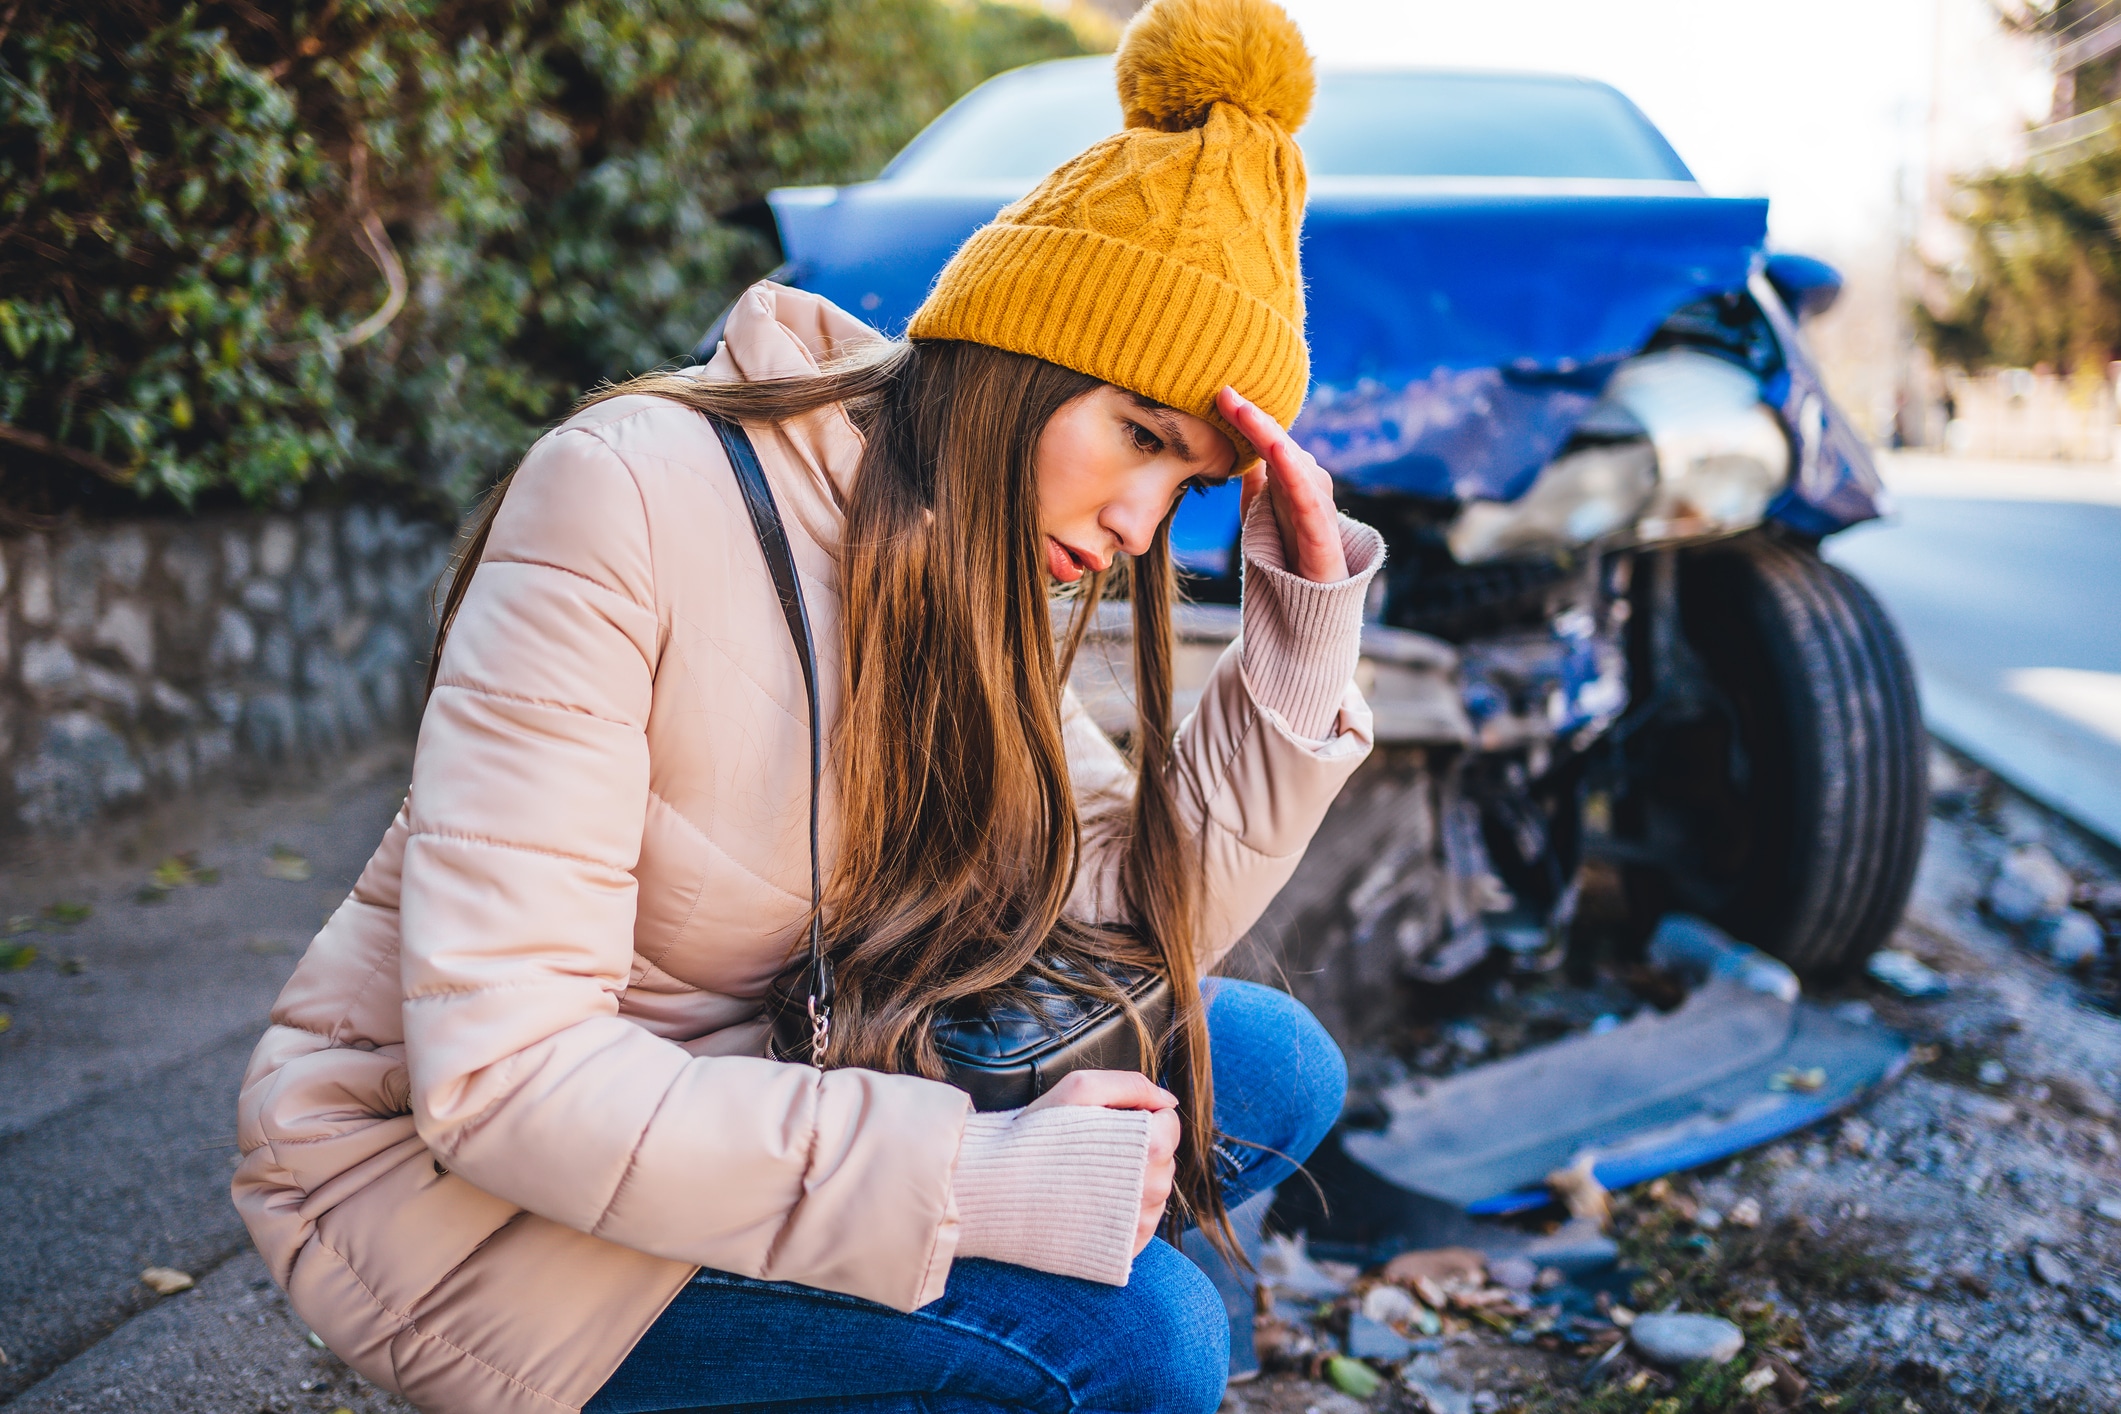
<point>245,246</point>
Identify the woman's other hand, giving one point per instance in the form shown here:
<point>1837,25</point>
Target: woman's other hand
<point>1298,489</point>
<point>1131,1090</point>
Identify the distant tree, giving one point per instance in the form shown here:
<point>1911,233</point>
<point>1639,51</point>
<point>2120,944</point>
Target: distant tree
<point>251,245</point>
<point>2041,281</point>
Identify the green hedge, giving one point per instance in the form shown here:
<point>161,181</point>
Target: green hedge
<point>205,207</point>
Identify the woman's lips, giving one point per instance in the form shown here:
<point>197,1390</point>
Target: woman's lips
<point>1063,563</point>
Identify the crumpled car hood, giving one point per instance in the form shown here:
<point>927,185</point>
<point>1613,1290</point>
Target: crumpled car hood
<point>1460,328</point>
<point>1457,337</point>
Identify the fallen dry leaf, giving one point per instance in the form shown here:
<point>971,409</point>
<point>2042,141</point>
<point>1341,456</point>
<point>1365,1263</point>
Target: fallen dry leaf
<point>1441,1265</point>
<point>1580,1189</point>
<point>287,864</point>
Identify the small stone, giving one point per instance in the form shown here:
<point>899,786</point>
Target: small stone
<point>235,642</point>
<point>125,556</point>
<point>49,666</point>
<point>76,576</point>
<point>127,628</point>
<point>1514,1273</point>
<point>1757,1381</point>
<point>1674,1339</point>
<point>1992,1072</point>
<point>104,685</point>
<point>1467,1039</point>
<point>2108,1208</point>
<point>1389,1304</point>
<point>2028,885</point>
<point>1370,1339</point>
<point>2073,939</point>
<point>262,596</point>
<point>1708,1220</point>
<point>1334,1402</point>
<point>1424,1379</point>
<point>191,565</point>
<point>2047,1268</point>
<point>1906,974</point>
<point>166,1281</point>
<point>276,548</point>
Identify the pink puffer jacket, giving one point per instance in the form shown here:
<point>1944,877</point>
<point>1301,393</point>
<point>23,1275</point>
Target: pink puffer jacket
<point>514,1095</point>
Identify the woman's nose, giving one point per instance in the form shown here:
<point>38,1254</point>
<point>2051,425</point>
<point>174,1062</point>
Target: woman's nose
<point>1134,521</point>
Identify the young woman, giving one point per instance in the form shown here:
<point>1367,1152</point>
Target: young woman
<point>515,1141</point>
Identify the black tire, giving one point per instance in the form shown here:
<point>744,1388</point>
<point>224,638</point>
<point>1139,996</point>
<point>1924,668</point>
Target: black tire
<point>1802,793</point>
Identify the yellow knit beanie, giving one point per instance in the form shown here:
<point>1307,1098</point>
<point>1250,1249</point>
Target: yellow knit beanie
<point>1163,259</point>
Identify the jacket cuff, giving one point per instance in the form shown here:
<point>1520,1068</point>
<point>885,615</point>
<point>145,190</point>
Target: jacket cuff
<point>1057,1189</point>
<point>1302,640</point>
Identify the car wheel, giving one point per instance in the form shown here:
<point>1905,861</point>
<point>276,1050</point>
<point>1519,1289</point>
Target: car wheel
<point>1787,799</point>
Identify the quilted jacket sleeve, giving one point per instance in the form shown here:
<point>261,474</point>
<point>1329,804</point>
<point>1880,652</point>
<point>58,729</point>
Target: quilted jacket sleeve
<point>528,798</point>
<point>1279,729</point>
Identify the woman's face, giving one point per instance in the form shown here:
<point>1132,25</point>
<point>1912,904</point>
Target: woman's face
<point>1109,466</point>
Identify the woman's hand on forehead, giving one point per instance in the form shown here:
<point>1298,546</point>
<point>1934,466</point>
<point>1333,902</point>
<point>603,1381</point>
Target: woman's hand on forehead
<point>1298,490</point>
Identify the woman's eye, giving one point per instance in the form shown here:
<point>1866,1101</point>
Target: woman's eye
<point>1144,440</point>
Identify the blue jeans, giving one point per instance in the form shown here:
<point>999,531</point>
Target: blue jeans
<point>1003,1337</point>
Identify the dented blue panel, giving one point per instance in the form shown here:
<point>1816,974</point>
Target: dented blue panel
<point>1457,337</point>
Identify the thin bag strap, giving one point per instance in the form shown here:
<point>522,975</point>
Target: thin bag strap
<point>780,563</point>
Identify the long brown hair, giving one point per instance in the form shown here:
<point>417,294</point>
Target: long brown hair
<point>961,842</point>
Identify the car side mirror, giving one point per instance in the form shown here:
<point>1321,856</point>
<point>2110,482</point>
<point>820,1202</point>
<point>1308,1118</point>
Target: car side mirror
<point>1806,285</point>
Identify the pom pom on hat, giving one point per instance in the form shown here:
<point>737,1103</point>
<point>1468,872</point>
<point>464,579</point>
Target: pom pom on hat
<point>1124,264</point>
<point>1179,58</point>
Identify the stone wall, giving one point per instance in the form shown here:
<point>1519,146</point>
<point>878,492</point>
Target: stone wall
<point>139,658</point>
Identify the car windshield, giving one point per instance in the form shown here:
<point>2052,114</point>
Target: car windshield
<point>1020,126</point>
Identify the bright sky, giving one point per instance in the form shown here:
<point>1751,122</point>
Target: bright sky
<point>1820,105</point>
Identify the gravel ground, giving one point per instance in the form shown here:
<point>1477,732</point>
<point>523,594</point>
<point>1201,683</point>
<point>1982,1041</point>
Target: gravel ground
<point>1946,1245</point>
<point>1942,1247</point>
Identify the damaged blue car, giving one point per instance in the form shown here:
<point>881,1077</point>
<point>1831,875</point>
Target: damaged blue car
<point>1569,387</point>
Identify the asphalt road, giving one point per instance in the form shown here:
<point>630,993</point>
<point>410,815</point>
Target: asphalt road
<point>128,1035</point>
<point>2006,581</point>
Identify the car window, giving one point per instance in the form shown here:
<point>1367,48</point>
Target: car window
<point>1020,126</point>
<point>1481,125</point>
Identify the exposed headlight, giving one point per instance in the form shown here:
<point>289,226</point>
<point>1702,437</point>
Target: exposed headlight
<point>1721,454</point>
<point>1590,494</point>
<point>1714,458</point>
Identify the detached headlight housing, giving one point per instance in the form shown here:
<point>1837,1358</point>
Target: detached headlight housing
<point>1711,458</point>
<point>1594,493</point>
<point>1722,455</point>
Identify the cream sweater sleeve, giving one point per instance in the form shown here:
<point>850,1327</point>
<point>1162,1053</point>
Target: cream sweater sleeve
<point>1056,1189</point>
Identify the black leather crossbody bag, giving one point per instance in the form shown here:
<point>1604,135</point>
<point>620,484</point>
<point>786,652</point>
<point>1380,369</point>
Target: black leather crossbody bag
<point>1003,1054</point>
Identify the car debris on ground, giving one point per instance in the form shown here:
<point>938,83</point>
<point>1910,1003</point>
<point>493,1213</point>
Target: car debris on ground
<point>1950,1242</point>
